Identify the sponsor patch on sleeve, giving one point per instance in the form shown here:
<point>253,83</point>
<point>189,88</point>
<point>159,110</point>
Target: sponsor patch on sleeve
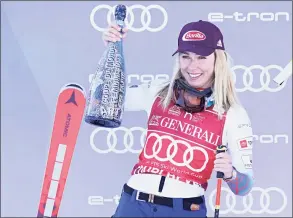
<point>244,125</point>
<point>245,143</point>
<point>247,161</point>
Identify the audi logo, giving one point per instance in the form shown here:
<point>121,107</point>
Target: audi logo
<point>122,140</point>
<point>249,201</point>
<point>112,140</point>
<point>145,17</point>
<point>174,145</point>
<point>249,75</point>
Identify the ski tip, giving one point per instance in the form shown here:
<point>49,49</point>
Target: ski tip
<point>74,86</point>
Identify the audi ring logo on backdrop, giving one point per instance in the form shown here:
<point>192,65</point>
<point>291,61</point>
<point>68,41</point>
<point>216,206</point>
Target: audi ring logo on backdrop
<point>264,78</point>
<point>254,82</point>
<point>173,145</point>
<point>248,201</point>
<point>112,141</point>
<point>145,17</point>
<point>129,144</point>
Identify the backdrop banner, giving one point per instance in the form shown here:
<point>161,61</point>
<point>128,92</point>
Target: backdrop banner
<point>48,44</point>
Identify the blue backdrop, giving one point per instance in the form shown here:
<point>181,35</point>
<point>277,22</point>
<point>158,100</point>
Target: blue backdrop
<point>48,44</point>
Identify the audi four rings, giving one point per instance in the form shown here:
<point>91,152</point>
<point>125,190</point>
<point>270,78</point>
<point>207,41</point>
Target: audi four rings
<point>174,145</point>
<point>248,201</point>
<point>264,78</point>
<point>145,17</point>
<point>112,140</point>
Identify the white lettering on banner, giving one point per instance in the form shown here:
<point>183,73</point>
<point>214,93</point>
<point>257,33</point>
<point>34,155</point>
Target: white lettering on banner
<point>173,169</point>
<point>247,74</point>
<point>154,121</point>
<point>250,16</point>
<point>195,117</point>
<point>271,139</point>
<point>100,200</point>
<point>151,169</point>
<point>128,138</point>
<point>146,78</point>
<point>147,169</point>
<point>189,129</point>
<point>145,17</point>
<point>231,201</point>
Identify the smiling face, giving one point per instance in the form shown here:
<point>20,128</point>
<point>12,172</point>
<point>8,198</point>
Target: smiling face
<point>197,70</point>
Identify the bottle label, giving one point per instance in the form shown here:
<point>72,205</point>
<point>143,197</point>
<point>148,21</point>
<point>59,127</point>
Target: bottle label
<point>108,86</point>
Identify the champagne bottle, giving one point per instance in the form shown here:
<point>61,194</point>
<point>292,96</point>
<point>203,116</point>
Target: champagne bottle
<point>105,103</point>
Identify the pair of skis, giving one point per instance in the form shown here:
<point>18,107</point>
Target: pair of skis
<point>68,116</point>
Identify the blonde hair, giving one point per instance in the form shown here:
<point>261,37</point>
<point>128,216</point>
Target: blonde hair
<point>223,87</point>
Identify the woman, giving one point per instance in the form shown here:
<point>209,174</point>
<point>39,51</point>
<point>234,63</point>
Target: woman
<point>188,117</point>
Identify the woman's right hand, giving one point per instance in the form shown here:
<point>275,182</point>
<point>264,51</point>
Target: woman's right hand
<point>113,34</point>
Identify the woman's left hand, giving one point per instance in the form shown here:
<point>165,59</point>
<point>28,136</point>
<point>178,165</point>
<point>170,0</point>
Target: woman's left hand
<point>223,163</point>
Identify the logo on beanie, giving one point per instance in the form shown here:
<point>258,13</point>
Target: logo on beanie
<point>220,43</point>
<point>193,35</point>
